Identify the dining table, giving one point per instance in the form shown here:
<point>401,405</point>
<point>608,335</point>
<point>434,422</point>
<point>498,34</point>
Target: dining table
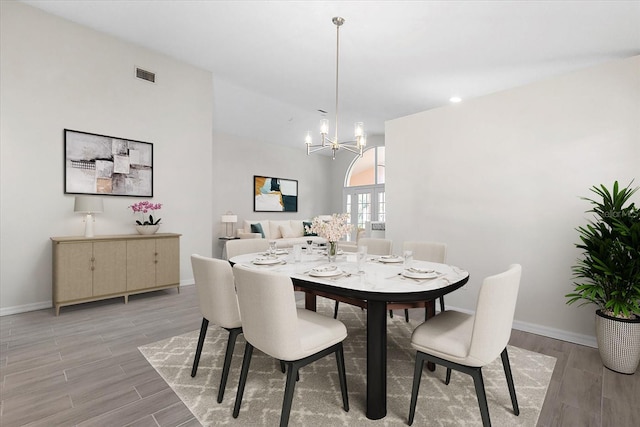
<point>374,284</point>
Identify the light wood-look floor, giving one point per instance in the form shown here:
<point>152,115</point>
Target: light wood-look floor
<point>83,368</point>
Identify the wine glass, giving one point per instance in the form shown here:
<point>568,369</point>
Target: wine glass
<point>309,246</point>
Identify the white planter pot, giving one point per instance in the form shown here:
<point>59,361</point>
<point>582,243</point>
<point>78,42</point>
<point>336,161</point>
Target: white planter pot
<point>618,342</point>
<point>147,229</point>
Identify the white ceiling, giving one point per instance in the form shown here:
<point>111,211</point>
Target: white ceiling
<point>273,62</point>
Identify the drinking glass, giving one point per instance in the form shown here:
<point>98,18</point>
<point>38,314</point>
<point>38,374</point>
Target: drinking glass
<point>309,247</point>
<point>408,259</point>
<point>297,253</point>
<point>272,248</point>
<point>362,258</point>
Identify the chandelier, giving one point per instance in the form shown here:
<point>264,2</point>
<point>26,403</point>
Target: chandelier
<point>360,138</point>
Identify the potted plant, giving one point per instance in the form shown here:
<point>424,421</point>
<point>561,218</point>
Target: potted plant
<point>145,226</point>
<point>608,275</point>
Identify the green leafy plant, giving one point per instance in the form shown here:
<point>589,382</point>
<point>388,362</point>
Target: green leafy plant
<point>608,273</point>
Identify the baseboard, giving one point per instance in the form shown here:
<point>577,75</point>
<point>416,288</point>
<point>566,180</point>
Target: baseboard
<point>586,340</point>
<point>7,311</point>
<point>17,309</point>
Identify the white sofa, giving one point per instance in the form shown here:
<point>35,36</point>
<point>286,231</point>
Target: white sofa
<point>286,233</point>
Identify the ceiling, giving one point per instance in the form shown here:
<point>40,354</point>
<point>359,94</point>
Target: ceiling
<point>273,62</point>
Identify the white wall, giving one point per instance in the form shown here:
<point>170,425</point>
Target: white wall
<point>237,160</point>
<point>55,75</point>
<point>499,179</point>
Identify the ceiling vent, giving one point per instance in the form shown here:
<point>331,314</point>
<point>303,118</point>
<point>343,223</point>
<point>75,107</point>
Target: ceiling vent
<point>145,75</point>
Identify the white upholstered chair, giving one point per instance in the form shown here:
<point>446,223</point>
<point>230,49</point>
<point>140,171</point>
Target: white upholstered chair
<point>274,325</point>
<point>376,246</point>
<point>218,305</point>
<point>424,251</point>
<point>245,246</point>
<point>467,342</point>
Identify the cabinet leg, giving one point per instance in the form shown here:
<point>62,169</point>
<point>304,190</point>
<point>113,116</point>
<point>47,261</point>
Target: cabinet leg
<point>57,310</point>
<point>178,288</point>
<point>126,298</point>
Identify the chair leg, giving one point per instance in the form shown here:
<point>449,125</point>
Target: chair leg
<point>203,334</point>
<point>417,375</point>
<point>233,334</point>
<point>406,315</point>
<point>246,361</point>
<point>343,377</point>
<point>448,378</point>
<point>335,310</point>
<point>391,314</point>
<point>441,304</point>
<point>512,389</point>
<point>288,394</point>
<point>478,382</point>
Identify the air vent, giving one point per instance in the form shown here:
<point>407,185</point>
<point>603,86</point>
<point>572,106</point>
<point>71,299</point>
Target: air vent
<point>145,75</point>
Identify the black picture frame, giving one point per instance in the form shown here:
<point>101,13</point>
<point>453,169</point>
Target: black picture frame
<point>107,165</point>
<point>274,194</point>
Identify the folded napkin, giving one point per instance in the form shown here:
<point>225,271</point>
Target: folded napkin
<point>420,270</point>
<point>324,269</point>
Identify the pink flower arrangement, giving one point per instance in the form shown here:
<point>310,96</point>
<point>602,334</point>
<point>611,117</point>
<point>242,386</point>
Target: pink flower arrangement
<point>334,229</point>
<point>143,208</point>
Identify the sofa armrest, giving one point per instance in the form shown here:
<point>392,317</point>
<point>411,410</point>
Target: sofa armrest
<point>243,235</point>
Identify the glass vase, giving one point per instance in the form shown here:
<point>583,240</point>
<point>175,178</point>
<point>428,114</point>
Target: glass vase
<point>332,251</point>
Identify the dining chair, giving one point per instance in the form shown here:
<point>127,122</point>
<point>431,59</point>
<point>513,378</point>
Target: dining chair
<point>245,246</point>
<point>424,251</point>
<point>274,325</point>
<point>375,246</point>
<point>467,342</point>
<point>218,304</point>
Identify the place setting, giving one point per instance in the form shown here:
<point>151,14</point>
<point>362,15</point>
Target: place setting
<point>390,259</point>
<point>328,271</point>
<point>420,275</point>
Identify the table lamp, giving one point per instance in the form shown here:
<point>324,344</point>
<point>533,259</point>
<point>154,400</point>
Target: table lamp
<point>229,219</point>
<point>89,206</point>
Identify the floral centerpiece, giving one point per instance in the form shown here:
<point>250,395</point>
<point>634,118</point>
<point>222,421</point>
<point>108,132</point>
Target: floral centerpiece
<point>145,226</point>
<point>333,230</point>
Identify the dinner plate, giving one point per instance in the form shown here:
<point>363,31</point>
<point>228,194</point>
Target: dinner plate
<point>391,258</point>
<point>412,274</point>
<point>267,261</point>
<point>325,271</point>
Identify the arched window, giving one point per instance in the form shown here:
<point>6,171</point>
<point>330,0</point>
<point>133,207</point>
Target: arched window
<point>364,197</point>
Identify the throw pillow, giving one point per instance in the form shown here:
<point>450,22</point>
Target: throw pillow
<point>286,231</point>
<point>306,224</point>
<point>257,228</point>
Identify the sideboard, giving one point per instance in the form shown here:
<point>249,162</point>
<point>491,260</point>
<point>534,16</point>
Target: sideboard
<point>95,268</point>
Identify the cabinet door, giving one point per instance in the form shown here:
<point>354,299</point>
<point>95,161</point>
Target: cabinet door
<point>168,266</point>
<point>73,277</point>
<point>110,268</point>
<point>141,264</point>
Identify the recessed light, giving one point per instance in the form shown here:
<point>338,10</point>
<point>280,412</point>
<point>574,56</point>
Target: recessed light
<point>455,99</point>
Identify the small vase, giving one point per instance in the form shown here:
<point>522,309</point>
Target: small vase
<point>147,229</point>
<point>332,251</point>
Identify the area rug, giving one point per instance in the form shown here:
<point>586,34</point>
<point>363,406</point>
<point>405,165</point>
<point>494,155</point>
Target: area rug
<point>317,399</point>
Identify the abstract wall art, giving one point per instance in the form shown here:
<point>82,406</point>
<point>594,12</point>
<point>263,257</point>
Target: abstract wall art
<point>107,165</point>
<point>274,194</point>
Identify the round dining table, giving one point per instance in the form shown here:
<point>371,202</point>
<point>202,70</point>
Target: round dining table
<point>383,282</point>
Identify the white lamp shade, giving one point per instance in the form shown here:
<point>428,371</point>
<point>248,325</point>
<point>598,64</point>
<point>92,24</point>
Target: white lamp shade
<point>229,218</point>
<point>85,204</point>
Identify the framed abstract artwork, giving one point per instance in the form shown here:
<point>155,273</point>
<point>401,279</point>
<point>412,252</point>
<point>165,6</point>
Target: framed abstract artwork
<point>274,194</point>
<point>107,165</point>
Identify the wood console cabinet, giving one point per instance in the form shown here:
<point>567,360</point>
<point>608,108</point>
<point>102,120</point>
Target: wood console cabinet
<point>95,268</point>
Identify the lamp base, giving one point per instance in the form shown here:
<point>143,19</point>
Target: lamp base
<point>88,226</point>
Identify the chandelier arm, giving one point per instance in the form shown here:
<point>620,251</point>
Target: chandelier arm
<point>337,74</point>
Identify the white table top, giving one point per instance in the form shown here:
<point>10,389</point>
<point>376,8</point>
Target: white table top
<point>377,276</point>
